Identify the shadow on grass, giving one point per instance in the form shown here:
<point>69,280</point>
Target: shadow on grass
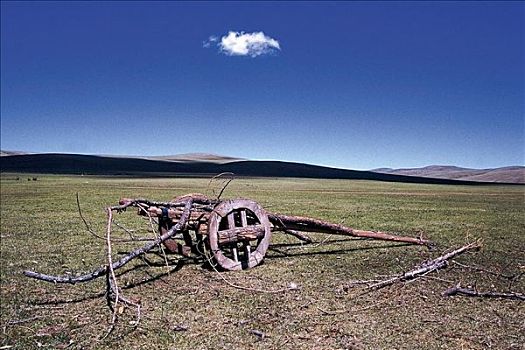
<point>152,278</point>
<point>177,265</point>
<point>285,254</point>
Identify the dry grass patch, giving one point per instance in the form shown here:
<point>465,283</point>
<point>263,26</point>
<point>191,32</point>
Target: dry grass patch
<point>187,306</point>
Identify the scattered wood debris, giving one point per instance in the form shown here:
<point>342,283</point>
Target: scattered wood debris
<point>458,290</point>
<point>420,270</point>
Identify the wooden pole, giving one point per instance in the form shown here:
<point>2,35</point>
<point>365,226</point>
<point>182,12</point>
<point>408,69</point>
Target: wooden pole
<point>301,223</point>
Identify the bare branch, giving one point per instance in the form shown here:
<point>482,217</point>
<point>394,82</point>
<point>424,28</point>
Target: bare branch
<point>123,261</point>
<point>300,223</point>
<point>457,290</point>
<point>88,228</point>
<point>423,269</point>
<point>299,235</point>
<point>232,176</point>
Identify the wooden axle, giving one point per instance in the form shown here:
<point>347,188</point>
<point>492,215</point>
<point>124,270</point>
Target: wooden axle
<point>174,213</point>
<point>239,234</point>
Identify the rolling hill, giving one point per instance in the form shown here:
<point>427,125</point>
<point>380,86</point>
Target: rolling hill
<point>208,165</point>
<point>513,174</point>
<point>197,157</point>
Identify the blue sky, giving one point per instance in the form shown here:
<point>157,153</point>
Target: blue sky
<point>352,84</point>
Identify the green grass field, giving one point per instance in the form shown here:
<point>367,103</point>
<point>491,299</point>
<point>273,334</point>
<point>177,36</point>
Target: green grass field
<point>187,306</point>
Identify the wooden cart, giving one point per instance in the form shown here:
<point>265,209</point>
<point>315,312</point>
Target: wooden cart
<point>236,233</point>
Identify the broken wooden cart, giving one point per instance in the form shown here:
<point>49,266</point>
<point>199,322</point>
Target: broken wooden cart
<point>236,232</point>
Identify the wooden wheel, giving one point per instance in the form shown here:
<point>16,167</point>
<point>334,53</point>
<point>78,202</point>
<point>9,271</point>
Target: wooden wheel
<point>239,234</point>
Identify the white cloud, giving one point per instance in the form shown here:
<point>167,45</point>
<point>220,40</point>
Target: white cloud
<point>244,44</point>
<point>211,39</point>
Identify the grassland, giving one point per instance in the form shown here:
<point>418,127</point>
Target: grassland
<point>186,306</point>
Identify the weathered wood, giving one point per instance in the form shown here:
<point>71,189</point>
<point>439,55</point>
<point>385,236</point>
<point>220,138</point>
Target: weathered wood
<point>198,198</point>
<point>231,220</point>
<point>239,234</point>
<point>314,225</point>
<point>472,293</point>
<point>426,267</point>
<point>135,202</point>
<point>174,214</point>
<point>202,228</point>
<point>225,211</point>
<point>244,219</point>
<point>174,247</point>
<point>297,234</point>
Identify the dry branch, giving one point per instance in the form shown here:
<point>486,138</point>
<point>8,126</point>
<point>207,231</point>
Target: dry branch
<point>426,267</point>
<point>123,261</point>
<point>225,182</point>
<point>458,290</point>
<point>299,235</point>
<point>287,222</point>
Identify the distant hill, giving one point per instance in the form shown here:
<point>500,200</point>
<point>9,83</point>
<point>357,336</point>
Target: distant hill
<point>59,163</point>
<point>196,157</point>
<point>11,153</point>
<point>513,174</point>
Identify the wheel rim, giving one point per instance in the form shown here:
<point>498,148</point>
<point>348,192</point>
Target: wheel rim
<point>233,219</point>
